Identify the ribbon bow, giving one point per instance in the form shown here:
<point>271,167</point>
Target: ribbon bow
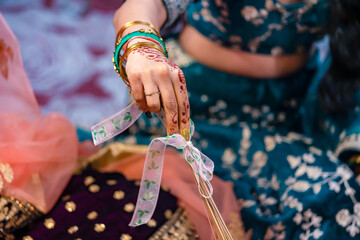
<point>151,178</point>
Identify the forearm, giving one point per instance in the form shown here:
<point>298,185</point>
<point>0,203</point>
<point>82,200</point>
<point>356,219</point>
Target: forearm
<point>151,11</point>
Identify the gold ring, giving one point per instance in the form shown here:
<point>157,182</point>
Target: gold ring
<point>150,94</point>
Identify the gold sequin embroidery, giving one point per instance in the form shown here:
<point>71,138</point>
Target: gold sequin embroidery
<point>111,182</point>
<point>92,215</point>
<point>177,227</point>
<point>152,223</point>
<point>99,227</point>
<point>65,198</point>
<point>168,213</point>
<point>70,206</point>
<point>89,180</point>
<point>49,223</point>
<point>118,195</point>
<point>94,188</point>
<point>125,237</point>
<point>27,238</point>
<point>129,207</point>
<point>73,229</point>
<point>15,214</point>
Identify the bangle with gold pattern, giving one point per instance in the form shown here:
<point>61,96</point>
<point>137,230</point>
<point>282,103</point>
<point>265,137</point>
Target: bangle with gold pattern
<point>129,24</point>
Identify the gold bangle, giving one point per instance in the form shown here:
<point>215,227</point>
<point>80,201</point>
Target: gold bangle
<point>128,51</point>
<point>129,24</point>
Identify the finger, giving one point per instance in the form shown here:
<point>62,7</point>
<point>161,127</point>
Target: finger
<point>179,83</point>
<point>168,99</point>
<point>152,95</point>
<point>137,91</point>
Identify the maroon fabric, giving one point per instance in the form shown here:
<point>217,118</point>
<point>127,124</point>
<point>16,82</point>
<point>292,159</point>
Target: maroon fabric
<point>110,211</point>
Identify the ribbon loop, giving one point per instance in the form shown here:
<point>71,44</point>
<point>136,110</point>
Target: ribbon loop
<point>202,166</point>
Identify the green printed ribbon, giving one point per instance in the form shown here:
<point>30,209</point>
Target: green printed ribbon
<point>202,166</point>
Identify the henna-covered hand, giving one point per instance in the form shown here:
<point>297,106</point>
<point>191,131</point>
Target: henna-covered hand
<point>149,71</point>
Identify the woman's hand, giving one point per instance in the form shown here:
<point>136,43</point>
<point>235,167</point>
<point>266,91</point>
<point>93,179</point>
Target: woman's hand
<point>157,82</point>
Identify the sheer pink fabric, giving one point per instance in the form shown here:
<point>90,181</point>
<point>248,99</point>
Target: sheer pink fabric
<point>178,178</point>
<point>37,153</point>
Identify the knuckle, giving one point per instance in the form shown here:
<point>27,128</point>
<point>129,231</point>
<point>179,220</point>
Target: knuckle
<point>148,71</point>
<point>162,70</point>
<point>138,97</point>
<point>171,105</point>
<point>133,74</point>
<point>154,106</point>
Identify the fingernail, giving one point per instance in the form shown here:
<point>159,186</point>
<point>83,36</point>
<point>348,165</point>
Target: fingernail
<point>148,115</point>
<point>186,134</point>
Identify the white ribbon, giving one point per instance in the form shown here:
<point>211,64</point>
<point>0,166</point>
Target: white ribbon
<point>151,178</point>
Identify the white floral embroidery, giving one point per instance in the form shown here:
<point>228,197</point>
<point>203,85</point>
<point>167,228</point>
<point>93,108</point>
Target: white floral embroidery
<point>269,143</point>
<point>276,232</point>
<point>221,104</point>
<point>292,137</point>
<point>258,162</point>
<point>350,221</point>
<point>245,144</point>
<point>235,174</point>
<point>335,180</point>
<point>311,223</point>
<point>265,183</point>
<point>301,186</point>
<point>308,158</point>
<point>247,203</point>
<point>315,150</point>
<point>312,172</point>
<point>293,161</point>
<point>228,156</point>
<point>266,201</point>
<point>291,202</point>
<point>343,217</point>
<point>332,157</point>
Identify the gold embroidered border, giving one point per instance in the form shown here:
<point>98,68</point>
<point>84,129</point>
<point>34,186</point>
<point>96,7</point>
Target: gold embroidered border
<point>15,214</point>
<point>177,227</point>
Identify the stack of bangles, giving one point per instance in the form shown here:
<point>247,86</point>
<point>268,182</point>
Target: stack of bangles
<point>122,50</point>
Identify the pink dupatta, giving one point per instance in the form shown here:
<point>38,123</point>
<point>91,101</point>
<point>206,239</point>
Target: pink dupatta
<point>37,153</point>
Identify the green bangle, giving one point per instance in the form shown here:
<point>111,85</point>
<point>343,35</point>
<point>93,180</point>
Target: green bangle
<point>140,33</point>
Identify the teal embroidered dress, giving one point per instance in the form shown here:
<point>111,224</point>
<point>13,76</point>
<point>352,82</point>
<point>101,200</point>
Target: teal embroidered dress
<point>270,137</point>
